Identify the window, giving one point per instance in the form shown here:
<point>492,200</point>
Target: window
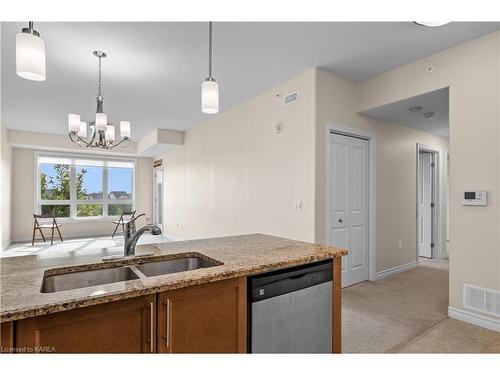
<point>72,187</point>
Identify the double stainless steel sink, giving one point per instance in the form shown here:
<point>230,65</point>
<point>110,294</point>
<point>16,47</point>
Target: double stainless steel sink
<point>82,279</point>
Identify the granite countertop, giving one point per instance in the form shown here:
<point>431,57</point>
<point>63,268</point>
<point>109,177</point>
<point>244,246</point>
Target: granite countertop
<point>21,277</point>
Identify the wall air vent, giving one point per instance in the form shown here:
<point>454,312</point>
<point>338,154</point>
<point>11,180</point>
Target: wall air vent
<point>483,300</point>
<point>290,98</point>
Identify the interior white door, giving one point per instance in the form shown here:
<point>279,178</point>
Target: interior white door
<point>424,221</point>
<point>348,212</point>
<point>158,198</point>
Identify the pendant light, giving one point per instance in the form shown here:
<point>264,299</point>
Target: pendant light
<point>210,88</point>
<point>30,54</point>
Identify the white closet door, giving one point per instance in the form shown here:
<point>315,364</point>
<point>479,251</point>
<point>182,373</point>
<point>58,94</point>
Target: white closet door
<point>424,222</point>
<point>348,212</point>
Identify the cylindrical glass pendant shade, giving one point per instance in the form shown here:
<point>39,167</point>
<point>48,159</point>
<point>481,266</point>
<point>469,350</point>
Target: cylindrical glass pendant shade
<point>83,129</point>
<point>74,123</point>
<point>30,57</point>
<point>110,133</point>
<point>125,129</point>
<point>210,96</point>
<point>101,121</point>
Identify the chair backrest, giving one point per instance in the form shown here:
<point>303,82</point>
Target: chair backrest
<point>126,216</point>
<point>44,218</point>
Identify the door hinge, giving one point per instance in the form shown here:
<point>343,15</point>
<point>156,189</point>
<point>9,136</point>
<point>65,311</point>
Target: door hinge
<point>433,165</point>
<point>433,205</point>
<point>432,244</point>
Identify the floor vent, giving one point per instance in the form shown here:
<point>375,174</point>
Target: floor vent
<point>481,299</point>
<point>292,97</point>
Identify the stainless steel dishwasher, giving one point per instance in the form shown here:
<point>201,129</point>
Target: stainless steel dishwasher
<point>291,310</point>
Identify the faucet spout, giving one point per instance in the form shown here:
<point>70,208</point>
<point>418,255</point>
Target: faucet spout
<point>131,235</point>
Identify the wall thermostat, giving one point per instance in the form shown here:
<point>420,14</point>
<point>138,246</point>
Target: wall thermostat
<point>475,198</point>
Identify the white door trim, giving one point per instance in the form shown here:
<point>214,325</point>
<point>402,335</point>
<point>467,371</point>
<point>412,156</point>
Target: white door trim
<point>155,169</point>
<point>436,214</point>
<point>370,137</point>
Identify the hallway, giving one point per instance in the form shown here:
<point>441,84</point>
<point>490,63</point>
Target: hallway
<point>407,312</point>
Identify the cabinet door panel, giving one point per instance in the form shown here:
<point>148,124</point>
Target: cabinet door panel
<point>209,318</point>
<point>126,326</point>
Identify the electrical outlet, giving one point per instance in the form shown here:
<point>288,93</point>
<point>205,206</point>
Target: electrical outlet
<point>400,244</point>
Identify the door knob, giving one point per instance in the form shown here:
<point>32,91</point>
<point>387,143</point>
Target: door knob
<point>341,220</point>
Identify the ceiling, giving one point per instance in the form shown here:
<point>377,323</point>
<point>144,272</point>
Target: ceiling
<point>153,74</point>
<point>436,102</point>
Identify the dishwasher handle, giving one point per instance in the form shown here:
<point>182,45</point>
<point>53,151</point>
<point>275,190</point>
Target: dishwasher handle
<point>269,286</point>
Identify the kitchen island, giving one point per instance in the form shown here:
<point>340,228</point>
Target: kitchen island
<point>150,313</point>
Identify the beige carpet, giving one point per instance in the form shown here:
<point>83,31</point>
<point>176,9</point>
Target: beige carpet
<point>407,313</point>
<point>454,336</point>
<point>384,315</point>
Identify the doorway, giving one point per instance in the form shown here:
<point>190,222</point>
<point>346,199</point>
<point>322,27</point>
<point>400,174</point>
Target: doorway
<point>427,202</point>
<point>349,203</point>
<point>158,197</point>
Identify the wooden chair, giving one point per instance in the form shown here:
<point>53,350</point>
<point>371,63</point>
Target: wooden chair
<point>125,217</point>
<point>40,224</point>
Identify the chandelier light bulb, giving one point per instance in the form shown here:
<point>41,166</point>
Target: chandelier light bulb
<point>125,129</point>
<point>74,123</point>
<point>110,133</point>
<point>30,54</point>
<point>101,121</point>
<point>83,129</point>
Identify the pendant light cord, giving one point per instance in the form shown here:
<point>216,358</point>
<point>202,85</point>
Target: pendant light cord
<point>210,50</point>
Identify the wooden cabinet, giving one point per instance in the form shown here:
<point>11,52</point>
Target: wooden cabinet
<point>209,318</point>
<point>126,326</point>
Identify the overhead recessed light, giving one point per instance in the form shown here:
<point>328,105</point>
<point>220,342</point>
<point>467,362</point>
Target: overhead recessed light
<point>430,23</point>
<point>415,109</point>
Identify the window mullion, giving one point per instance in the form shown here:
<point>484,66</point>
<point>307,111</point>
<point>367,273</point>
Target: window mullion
<point>105,191</point>
<point>72,192</point>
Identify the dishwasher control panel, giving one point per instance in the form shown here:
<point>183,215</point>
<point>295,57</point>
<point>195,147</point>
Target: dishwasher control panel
<point>281,282</point>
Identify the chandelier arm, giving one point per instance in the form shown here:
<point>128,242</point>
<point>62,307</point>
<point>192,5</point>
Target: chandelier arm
<point>120,143</point>
<point>82,142</point>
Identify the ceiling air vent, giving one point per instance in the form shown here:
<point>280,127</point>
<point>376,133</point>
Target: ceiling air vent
<point>480,299</point>
<point>292,97</point>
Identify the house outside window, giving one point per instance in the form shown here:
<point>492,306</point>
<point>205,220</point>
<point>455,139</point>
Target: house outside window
<point>77,188</point>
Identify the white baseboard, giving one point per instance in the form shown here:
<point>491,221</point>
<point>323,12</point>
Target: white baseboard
<point>395,270</point>
<point>473,318</point>
<point>6,245</point>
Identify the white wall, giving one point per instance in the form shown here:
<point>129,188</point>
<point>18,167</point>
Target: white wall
<point>23,195</point>
<point>5,188</point>
<point>395,171</point>
<point>235,175</point>
<point>472,73</point>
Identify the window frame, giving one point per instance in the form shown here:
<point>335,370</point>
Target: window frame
<point>73,202</point>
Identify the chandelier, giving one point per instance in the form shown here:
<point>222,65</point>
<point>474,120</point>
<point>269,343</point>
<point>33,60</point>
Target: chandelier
<point>102,133</point>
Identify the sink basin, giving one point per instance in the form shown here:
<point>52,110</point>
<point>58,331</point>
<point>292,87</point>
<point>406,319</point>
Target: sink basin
<point>82,279</point>
<point>175,265</point>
